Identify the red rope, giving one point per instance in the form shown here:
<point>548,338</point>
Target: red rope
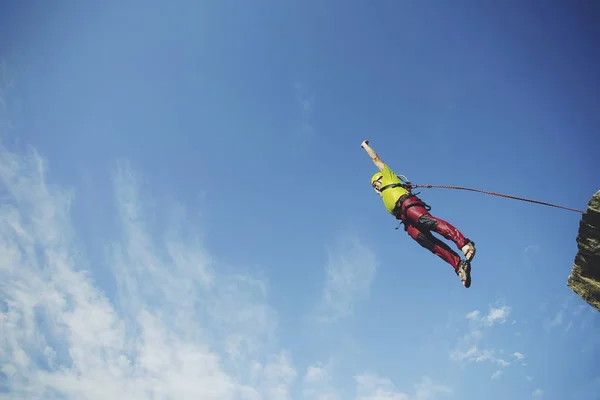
<point>495,194</point>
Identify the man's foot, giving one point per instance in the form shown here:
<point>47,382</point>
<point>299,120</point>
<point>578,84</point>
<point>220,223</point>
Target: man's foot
<point>469,250</point>
<point>464,272</point>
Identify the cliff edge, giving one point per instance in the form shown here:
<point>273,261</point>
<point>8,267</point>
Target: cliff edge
<point>585,276</point>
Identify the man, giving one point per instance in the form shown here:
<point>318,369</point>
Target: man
<point>418,222</point>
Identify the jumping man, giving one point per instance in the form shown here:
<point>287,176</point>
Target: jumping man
<point>418,222</point>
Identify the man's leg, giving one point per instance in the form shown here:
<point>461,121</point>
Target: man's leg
<point>419,216</point>
<point>462,268</point>
<point>435,245</point>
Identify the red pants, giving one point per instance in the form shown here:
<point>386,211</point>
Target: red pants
<point>420,224</point>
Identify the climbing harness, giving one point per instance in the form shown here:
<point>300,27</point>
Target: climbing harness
<point>399,210</point>
<point>404,183</point>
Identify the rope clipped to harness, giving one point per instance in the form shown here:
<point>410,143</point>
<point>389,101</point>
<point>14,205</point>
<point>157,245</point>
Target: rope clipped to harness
<point>406,184</point>
<point>411,185</point>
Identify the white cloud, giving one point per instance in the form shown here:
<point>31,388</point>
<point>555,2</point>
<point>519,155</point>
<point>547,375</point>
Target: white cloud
<point>349,271</point>
<point>473,315</point>
<point>318,383</point>
<point>315,373</point>
<point>518,355</point>
<point>373,387</point>
<point>502,363</point>
<point>497,315</point>
<point>468,348</point>
<point>538,393</point>
<point>497,374</point>
<point>60,334</point>
<point>276,377</point>
<point>477,355</point>
<point>428,390</point>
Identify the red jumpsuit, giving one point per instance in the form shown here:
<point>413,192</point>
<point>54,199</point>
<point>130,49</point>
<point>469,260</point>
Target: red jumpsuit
<point>420,224</point>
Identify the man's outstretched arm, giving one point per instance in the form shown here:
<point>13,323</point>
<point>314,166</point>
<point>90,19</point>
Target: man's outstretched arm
<point>376,160</point>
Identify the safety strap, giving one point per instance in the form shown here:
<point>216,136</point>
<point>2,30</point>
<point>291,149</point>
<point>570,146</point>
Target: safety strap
<point>399,212</point>
<point>393,185</point>
<point>404,183</point>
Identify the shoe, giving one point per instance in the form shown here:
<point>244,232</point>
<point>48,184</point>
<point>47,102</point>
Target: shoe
<point>469,248</point>
<point>464,272</point>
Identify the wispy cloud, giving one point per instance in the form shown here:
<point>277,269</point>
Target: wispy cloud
<point>529,254</point>
<point>567,315</point>
<point>372,387</point>
<point>494,316</point>
<point>318,383</point>
<point>60,334</point>
<point>469,348</point>
<point>349,271</point>
<point>7,85</point>
<point>556,320</point>
<point>537,393</point>
<point>306,102</point>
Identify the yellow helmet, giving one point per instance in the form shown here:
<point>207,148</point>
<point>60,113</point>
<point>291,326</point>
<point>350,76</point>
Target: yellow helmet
<point>375,177</point>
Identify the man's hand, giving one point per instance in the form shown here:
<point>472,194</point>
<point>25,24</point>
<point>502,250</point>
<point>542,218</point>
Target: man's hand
<point>372,154</point>
<point>368,149</point>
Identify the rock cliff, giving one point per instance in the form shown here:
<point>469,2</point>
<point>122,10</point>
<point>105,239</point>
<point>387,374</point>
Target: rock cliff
<point>585,276</point>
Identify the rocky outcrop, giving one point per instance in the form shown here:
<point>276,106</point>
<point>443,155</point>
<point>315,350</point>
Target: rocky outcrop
<point>585,276</point>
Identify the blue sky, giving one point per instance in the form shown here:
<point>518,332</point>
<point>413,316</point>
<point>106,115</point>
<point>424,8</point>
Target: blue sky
<point>186,210</point>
